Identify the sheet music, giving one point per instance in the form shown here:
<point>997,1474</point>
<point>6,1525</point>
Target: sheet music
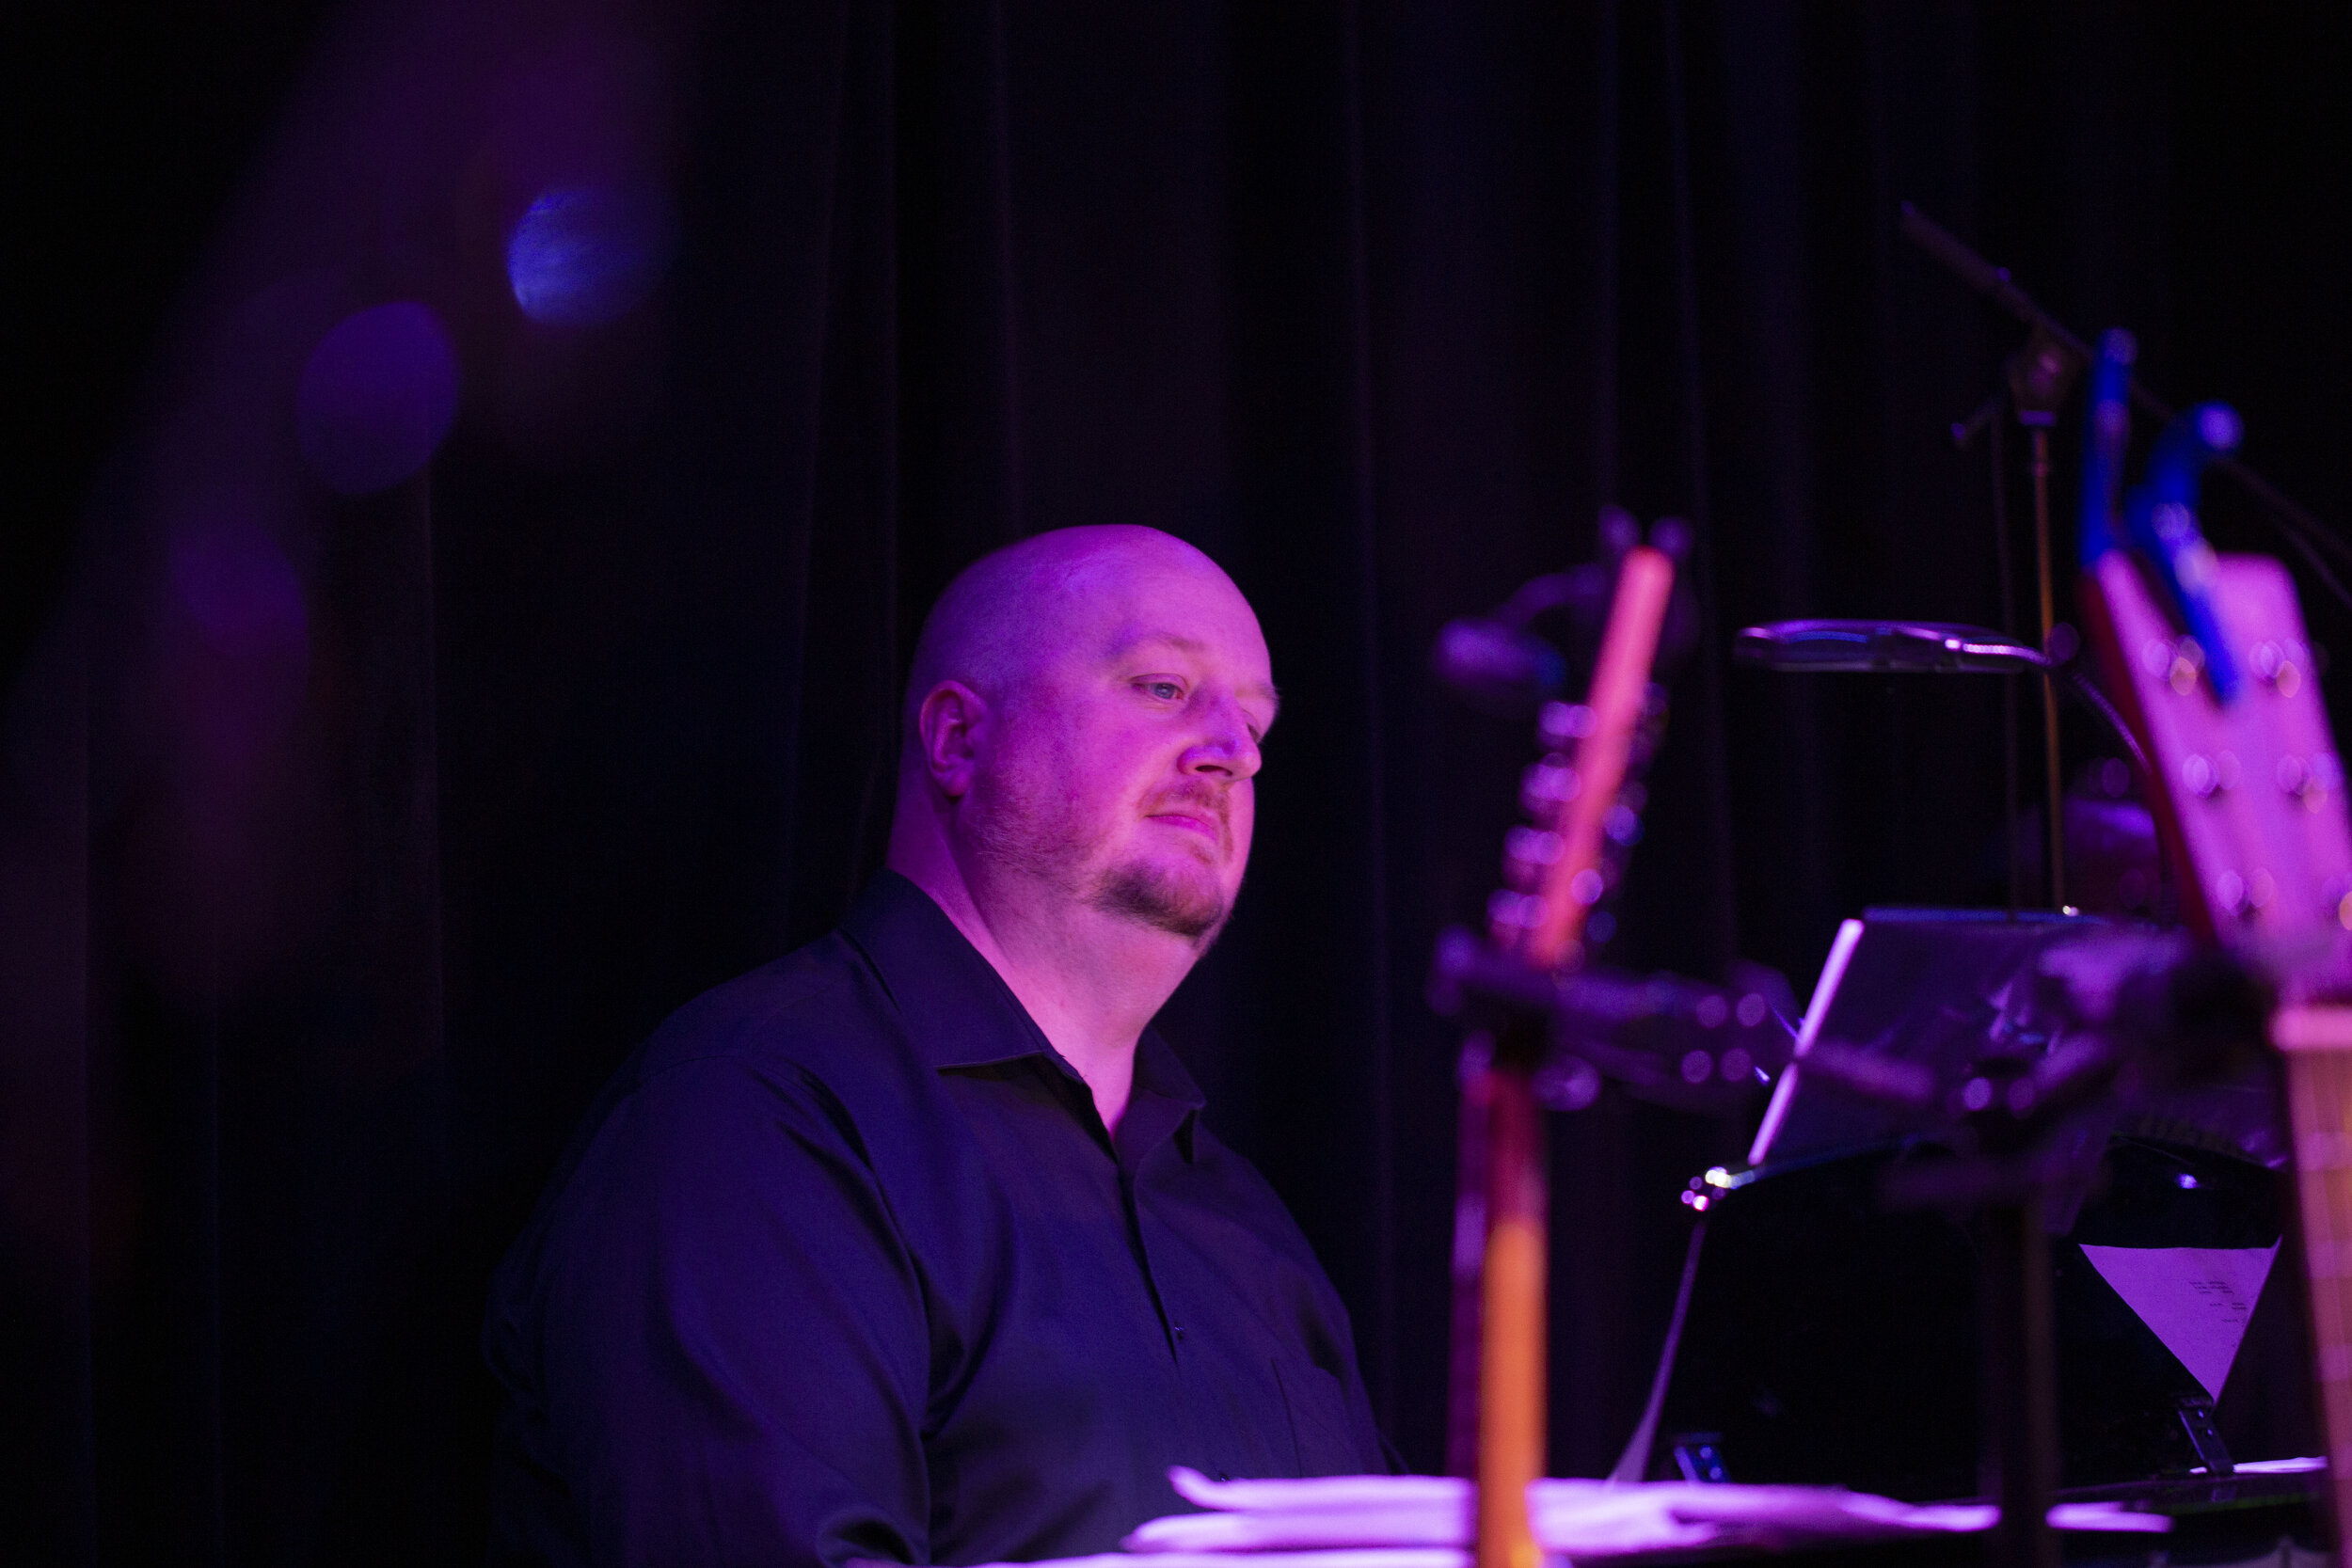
<point>1425,1522</point>
<point>2196,1300</point>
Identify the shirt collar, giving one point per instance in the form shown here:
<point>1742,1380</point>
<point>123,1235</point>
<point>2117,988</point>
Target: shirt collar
<point>959,1010</point>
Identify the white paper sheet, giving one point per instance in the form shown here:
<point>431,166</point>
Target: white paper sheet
<point>2196,1300</point>
<point>1424,1521</point>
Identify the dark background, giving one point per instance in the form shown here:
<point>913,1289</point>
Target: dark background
<point>317,938</point>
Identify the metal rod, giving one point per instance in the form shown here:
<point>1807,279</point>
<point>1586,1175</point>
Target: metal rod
<point>2008,687</point>
<point>2056,800</point>
<point>2020,1393</point>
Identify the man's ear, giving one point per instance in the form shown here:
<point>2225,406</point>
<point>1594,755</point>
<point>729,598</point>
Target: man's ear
<point>950,727</point>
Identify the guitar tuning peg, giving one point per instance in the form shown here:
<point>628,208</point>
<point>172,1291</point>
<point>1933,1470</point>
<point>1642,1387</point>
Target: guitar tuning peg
<point>1547,786</point>
<point>1528,853</point>
<point>2189,664</point>
<point>2280,666</point>
<point>1534,846</point>
<point>2229,892</point>
<point>2325,777</point>
<point>1510,914</point>
<point>1560,725</point>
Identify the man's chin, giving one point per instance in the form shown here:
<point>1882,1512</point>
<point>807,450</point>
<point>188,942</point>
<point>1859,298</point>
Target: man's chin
<point>1186,907</point>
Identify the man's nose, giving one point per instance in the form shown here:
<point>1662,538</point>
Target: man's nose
<point>1225,745</point>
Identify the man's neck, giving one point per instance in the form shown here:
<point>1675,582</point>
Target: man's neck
<point>1091,981</point>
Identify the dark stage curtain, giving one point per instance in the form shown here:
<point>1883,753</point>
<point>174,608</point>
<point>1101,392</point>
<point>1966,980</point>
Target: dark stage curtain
<point>362,811</point>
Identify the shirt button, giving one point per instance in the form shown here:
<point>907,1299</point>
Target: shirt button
<point>1180,1331</point>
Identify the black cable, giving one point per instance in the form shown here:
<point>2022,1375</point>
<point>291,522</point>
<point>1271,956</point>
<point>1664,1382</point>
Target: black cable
<point>2092,698</point>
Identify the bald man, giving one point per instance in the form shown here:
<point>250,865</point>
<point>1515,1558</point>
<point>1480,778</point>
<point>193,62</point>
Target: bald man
<point>911,1245</point>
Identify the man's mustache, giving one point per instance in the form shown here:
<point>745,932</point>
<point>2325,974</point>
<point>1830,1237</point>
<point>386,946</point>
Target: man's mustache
<point>1202,798</point>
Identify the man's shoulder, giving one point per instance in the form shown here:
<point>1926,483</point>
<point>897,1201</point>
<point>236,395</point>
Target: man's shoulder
<point>802,1051</point>
<point>810,1037</point>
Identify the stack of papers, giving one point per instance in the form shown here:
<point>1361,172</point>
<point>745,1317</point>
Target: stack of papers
<point>1423,1521</point>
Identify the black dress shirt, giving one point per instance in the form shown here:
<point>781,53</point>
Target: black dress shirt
<point>843,1264</point>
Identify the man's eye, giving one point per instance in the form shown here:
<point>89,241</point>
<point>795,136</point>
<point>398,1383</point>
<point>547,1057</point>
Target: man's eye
<point>1167,691</point>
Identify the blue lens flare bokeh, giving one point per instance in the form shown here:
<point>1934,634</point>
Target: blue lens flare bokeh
<point>583,254</point>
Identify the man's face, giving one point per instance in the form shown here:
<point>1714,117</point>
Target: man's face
<point>1119,770</point>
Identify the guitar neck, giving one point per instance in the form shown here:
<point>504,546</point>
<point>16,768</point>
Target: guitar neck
<point>2316,1044</point>
<point>1547,936</point>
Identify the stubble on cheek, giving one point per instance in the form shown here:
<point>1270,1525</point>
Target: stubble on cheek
<point>1019,821</point>
<point>1028,827</point>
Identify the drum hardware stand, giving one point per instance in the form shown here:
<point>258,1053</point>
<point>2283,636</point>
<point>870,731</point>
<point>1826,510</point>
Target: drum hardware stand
<point>2040,376</point>
<point>2037,379</point>
<point>1926,647</point>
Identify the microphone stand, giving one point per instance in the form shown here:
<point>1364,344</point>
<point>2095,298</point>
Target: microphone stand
<point>2036,380</point>
<point>2297,524</point>
<point>1986,422</point>
<point>2040,376</point>
<point>2008,688</point>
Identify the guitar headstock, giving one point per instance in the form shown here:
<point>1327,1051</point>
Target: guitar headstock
<point>2250,794</point>
<point>1582,800</point>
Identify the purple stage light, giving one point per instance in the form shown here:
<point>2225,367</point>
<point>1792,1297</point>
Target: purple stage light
<point>586,254</point>
<point>376,398</point>
<point>239,589</point>
<point>241,660</point>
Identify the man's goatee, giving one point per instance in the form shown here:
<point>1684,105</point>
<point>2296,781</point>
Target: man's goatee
<point>1150,896</point>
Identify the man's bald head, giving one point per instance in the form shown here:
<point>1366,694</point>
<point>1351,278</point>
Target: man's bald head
<point>1014,608</point>
<point>1082,721</point>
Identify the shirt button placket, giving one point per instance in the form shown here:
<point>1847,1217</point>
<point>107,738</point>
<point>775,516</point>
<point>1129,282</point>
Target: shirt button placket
<point>1143,1259</point>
